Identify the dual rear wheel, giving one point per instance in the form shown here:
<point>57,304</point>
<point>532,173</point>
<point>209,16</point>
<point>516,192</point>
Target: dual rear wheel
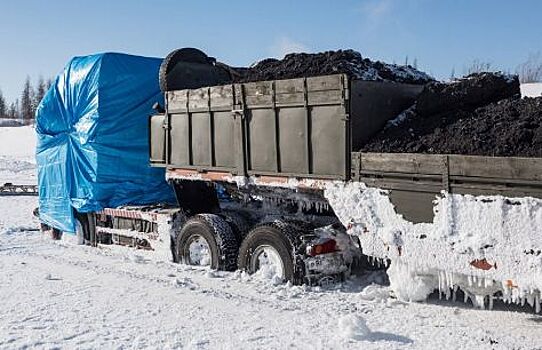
<point>210,240</point>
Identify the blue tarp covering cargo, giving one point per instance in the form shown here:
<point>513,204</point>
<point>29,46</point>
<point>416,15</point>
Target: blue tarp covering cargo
<point>92,148</point>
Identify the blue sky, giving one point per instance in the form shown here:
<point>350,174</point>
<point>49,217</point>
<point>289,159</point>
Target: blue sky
<point>39,37</point>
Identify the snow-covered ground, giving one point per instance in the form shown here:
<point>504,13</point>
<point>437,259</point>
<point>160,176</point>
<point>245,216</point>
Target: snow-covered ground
<point>17,160</point>
<point>531,90</point>
<point>61,295</point>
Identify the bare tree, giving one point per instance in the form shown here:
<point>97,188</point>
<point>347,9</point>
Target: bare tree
<point>530,71</point>
<point>477,66</point>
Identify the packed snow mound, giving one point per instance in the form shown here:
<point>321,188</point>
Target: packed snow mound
<point>353,327</point>
<point>531,90</point>
<point>350,62</point>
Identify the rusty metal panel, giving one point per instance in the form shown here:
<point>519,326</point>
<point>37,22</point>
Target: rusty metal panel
<point>328,139</point>
<point>157,140</point>
<point>179,140</point>
<point>261,140</point>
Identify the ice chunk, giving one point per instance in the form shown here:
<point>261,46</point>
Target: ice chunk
<point>353,327</point>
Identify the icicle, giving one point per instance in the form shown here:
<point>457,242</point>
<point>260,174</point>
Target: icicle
<point>480,301</point>
<point>490,302</point>
<point>469,280</point>
<point>440,285</point>
<point>465,297</point>
<point>530,300</point>
<point>454,297</point>
<point>537,303</point>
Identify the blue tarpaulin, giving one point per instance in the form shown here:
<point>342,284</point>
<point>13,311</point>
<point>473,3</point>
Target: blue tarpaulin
<point>92,128</point>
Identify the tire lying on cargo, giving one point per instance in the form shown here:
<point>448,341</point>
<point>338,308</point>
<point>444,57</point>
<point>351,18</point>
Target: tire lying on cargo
<point>269,249</point>
<point>207,240</point>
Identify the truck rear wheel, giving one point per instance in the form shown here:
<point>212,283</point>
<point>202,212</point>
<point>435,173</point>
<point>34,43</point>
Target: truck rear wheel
<point>269,249</point>
<point>207,240</point>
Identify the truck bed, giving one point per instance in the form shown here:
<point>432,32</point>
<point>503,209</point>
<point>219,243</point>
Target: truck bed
<point>310,129</point>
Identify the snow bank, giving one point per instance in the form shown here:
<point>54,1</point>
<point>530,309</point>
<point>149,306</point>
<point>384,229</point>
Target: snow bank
<point>17,161</point>
<point>18,142</point>
<point>531,90</point>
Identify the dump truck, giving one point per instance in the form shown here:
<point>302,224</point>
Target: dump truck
<point>269,179</point>
<point>302,198</point>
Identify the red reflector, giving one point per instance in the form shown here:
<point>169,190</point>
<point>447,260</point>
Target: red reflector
<point>328,246</point>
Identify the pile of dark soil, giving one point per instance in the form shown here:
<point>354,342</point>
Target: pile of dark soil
<point>468,93</point>
<point>510,127</point>
<point>350,62</point>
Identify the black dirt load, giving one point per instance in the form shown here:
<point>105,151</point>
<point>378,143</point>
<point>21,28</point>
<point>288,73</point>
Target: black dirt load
<point>510,127</point>
<point>468,93</point>
<point>350,62</point>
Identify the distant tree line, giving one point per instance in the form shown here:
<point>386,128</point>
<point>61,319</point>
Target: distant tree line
<point>24,108</point>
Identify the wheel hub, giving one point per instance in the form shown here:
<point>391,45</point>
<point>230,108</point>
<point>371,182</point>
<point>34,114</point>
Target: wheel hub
<point>199,252</point>
<point>266,261</point>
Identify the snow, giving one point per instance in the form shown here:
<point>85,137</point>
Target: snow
<point>17,161</point>
<point>503,232</point>
<point>531,90</point>
<point>57,294</point>
<point>354,327</point>
<point>406,114</point>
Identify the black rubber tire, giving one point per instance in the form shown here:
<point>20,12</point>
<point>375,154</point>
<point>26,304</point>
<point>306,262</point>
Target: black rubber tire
<point>238,222</point>
<point>283,238</point>
<point>83,227</point>
<point>219,236</point>
<point>186,54</point>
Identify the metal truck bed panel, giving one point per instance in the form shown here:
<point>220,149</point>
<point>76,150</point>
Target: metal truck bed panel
<point>373,103</point>
<point>308,129</point>
<point>297,127</point>
<point>415,179</point>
